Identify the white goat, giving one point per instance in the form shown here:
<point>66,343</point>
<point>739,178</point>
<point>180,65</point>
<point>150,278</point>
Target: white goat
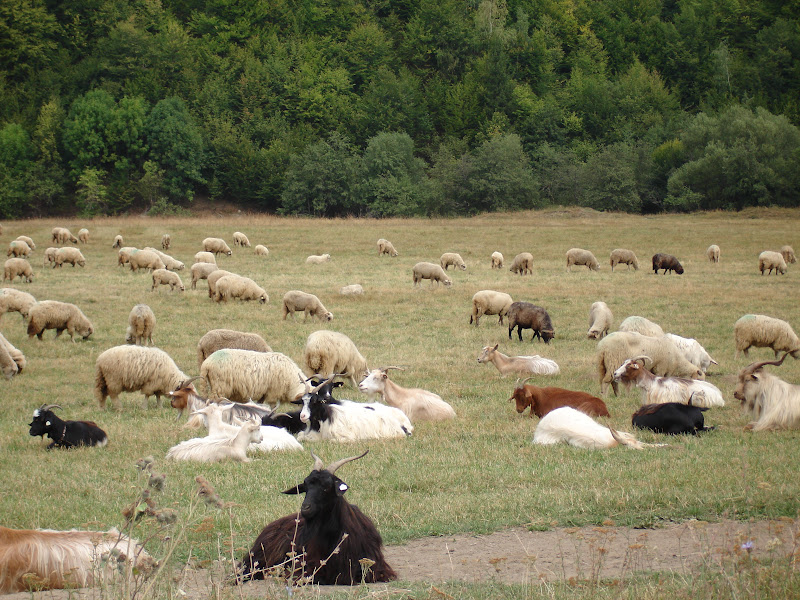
<point>658,390</point>
<point>774,403</point>
<point>416,403</point>
<point>523,365</point>
<point>568,425</point>
<point>272,438</point>
<point>214,449</point>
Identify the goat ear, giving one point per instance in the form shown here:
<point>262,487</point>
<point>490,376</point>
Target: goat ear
<point>341,486</point>
<point>298,489</point>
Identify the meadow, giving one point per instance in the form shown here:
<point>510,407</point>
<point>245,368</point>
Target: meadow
<point>478,473</point>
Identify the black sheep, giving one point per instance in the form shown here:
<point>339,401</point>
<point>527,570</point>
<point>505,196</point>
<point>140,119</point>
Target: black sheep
<point>666,262</point>
<point>524,315</point>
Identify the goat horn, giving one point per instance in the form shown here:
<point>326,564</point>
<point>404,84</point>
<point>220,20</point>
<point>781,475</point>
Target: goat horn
<point>524,381</point>
<point>331,468</point>
<point>318,464</point>
<point>49,406</point>
<point>319,387</point>
<point>195,378</point>
<point>753,367</point>
<point>643,358</point>
<point>398,368</point>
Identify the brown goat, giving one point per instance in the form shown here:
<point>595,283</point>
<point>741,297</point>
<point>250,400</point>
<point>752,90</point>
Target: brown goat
<point>542,400</point>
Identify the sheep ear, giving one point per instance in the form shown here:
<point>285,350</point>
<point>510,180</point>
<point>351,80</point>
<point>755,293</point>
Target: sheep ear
<point>298,489</point>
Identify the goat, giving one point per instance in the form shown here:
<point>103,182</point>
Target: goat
<point>187,398</point>
<point>213,449</point>
<point>272,438</point>
<point>774,403</point>
<point>568,425</point>
<point>671,418</point>
<point>416,403</point>
<point>65,434</point>
<point>658,390</point>
<point>542,400</point>
<point>328,542</point>
<point>523,365</point>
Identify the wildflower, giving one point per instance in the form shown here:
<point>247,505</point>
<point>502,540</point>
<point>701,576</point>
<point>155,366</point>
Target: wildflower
<point>747,546</point>
<point>145,463</point>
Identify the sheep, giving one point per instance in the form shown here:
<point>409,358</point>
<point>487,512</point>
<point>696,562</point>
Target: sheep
<point>329,352</point>
<point>145,259</point>
<point>524,315</point>
<point>14,300</point>
<point>14,353</point>
<point>65,434</point>
<point>769,260</point>
<point>318,259</point>
<point>170,263</point>
<point>201,271</point>
<point>774,403</point>
<point>18,248</point>
<point>215,449</point>
<point>124,255</point>
<point>240,375</point>
<point>786,251</point>
<point>671,418</point>
<point>658,390</point>
<point>600,320</point>
<point>243,288</point>
<point>165,277</point>
<point>272,438</point>
<point>713,255</point>
<point>579,256</point>
<point>497,260</point>
<point>8,365</point>
<point>522,365</point>
<point>83,236</point>
<point>295,300</point>
<point>489,302</point>
<point>69,255</point>
<point>568,425</point>
<point>617,347</point>
<point>44,559</point>
<point>205,257</point>
<point>416,403</point>
<point>240,239</point>
<point>354,289</point>
<point>666,262</point>
<point>166,241</point>
<point>141,324</point>
<point>542,400</point>
<point>17,267</point>
<point>522,264</point>
<point>117,241</point>
<point>641,325</point>
<point>426,270</point>
<point>452,258</point>
<point>62,235</point>
<point>620,256</point>
<point>133,369</point>
<point>29,241</point>
<point>693,351</point>
<point>386,247</point>
<point>216,246</point>
<point>761,331</point>
<point>218,339</point>
<point>49,256</point>
<point>261,250</point>
<point>52,314</point>
<point>329,541</point>
<point>212,279</point>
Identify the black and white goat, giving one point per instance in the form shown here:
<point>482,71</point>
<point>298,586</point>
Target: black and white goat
<point>187,398</point>
<point>65,434</point>
<point>328,542</point>
<point>671,418</point>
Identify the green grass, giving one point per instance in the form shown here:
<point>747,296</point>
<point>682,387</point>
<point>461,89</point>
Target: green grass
<point>478,473</point>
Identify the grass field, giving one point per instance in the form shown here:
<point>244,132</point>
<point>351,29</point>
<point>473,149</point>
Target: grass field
<point>478,473</point>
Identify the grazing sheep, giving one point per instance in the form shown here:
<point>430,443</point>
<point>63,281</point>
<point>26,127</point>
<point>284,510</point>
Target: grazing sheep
<point>497,260</point>
<point>201,271</point>
<point>216,246</point>
<point>524,315</point>
<point>568,425</point>
<point>713,254</point>
<point>12,360</point>
<point>117,242</point>
<point>426,270</point>
<point>145,259</point>
<point>69,255</point>
<point>262,250</point>
<point>216,449</point>
<point>354,289</point>
<point>17,267</point>
<point>641,325</point>
<point>769,260</point>
<point>452,259</point>
<point>169,262</point>
<point>579,256</point>
<point>666,262</point>
<point>774,403</point>
<point>240,239</point>
<point>621,256</point>
<point>212,279</point>
<point>52,314</point>
<point>543,400</point>
<point>522,365</point>
<point>761,331</point>
<point>692,351</point>
<point>62,235</point>
<point>600,320</point>
<point>659,390</point>
<point>329,353</point>
<point>166,241</point>
<point>295,300</point>
<point>386,247</point>
<point>522,264</point>
<point>243,288</point>
<point>318,259</point>
<point>489,302</point>
<point>786,251</point>
<point>141,324</point>
<point>29,241</point>
<point>205,257</point>
<point>165,277</point>
<point>132,369</point>
<point>14,300</point>
<point>83,236</point>
<point>49,256</point>
<point>219,339</point>
<point>18,248</point>
<point>124,255</point>
<point>242,375</point>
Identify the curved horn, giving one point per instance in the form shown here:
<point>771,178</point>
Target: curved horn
<point>523,382</point>
<point>641,357</point>
<point>331,468</point>
<point>753,367</point>
<point>318,464</point>
<point>49,406</point>
<point>398,368</point>
<point>188,381</point>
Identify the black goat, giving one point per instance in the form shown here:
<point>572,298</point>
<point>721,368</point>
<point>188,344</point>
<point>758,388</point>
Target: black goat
<point>336,543</point>
<point>292,421</point>
<point>65,434</point>
<point>524,315</point>
<point>670,417</point>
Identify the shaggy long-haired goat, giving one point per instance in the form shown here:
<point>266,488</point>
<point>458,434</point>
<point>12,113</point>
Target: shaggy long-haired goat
<point>521,365</point>
<point>418,404</point>
<point>658,390</point>
<point>578,429</point>
<point>334,542</point>
<point>774,403</point>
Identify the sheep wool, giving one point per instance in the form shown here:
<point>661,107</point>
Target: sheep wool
<point>329,352</point>
<point>17,267</point>
<point>14,300</point>
<point>641,325</point>
<point>69,255</point>
<point>624,256</point>
<point>201,271</point>
<point>141,324</point>
<point>579,256</point>
<point>52,314</point>
<point>242,288</point>
<point>761,331</point>
<point>219,339</point>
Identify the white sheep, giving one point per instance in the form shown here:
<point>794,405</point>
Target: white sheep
<point>124,255</point>
<point>713,253</point>
<point>135,368</point>
<point>212,279</point>
<point>215,449</point>
<point>786,251</point>
<point>769,260</point>
<point>243,288</point>
<point>118,241</point>
<point>83,236</point>
<point>660,390</point>
<point>62,235</point>
<point>497,260</point>
<point>600,320</point>
<point>761,331</point>
<point>521,365</point>
<point>354,289</point>
<point>218,339</point>
<point>386,247</point>
<point>69,255</point>
<point>309,304</point>
<point>426,270</point>
<point>567,425</point>
<point>240,239</point>
<point>166,241</point>
<point>693,351</point>
<point>145,259</point>
<point>452,259</point>
<point>169,262</point>
<point>261,250</point>
<point>216,246</point>
<point>205,257</point>
<point>641,325</point>
<point>328,353</point>
<point>141,324</point>
<point>318,259</point>
<point>201,271</point>
<point>14,300</point>
<point>522,264</point>
<point>12,360</point>
<point>621,256</point>
<point>490,302</point>
<point>18,248</point>
<point>29,241</point>
<point>579,256</point>
<point>52,314</point>
<point>416,403</point>
<point>49,256</point>
<point>165,277</point>
<point>17,267</point>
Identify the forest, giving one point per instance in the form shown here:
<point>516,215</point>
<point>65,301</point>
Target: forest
<point>386,108</point>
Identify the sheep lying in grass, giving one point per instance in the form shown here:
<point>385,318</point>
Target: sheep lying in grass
<point>520,365</point>
<point>215,449</point>
<point>328,353</point>
<point>641,325</point>
<point>354,289</point>
<point>216,246</point>
<point>309,304</point>
<point>201,271</point>
<point>489,302</point>
<point>318,259</point>
<point>69,255</point>
<point>621,256</point>
<point>165,277</point>
<point>453,259</point>
<point>14,300</point>
<point>17,267</point>
<point>426,270</point>
<point>600,320</point>
<point>51,314</point>
<point>579,256</point>
<point>141,324</point>
<point>219,339</point>
<point>713,253</point>
<point>522,264</point>
<point>497,260</point>
<point>242,288</point>
<point>786,251</point>
<point>240,239</point>
<point>261,250</point>
<point>386,247</point>
<point>761,331</point>
<point>768,260</point>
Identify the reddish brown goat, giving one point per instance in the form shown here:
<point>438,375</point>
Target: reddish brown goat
<point>542,400</point>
